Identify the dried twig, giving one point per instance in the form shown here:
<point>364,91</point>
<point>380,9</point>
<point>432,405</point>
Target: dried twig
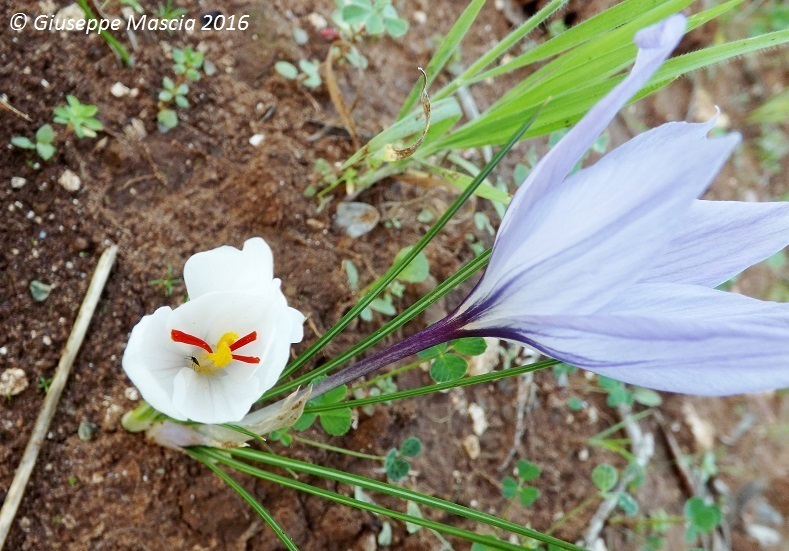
<point>17,489</point>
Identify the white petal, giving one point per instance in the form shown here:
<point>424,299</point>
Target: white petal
<point>213,399</point>
<point>152,361</point>
<point>228,269</point>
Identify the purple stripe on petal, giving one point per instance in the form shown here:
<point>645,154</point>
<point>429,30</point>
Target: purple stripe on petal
<point>719,239</point>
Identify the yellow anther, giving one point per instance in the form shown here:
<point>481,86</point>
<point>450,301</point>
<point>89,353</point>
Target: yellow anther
<point>222,355</point>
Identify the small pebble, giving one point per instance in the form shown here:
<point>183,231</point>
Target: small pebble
<point>17,182</point>
<point>119,90</point>
<point>70,181</point>
<point>256,140</point>
<point>47,340</point>
<point>131,393</point>
<point>87,431</point>
<point>317,21</point>
<point>420,17</point>
<point>12,382</point>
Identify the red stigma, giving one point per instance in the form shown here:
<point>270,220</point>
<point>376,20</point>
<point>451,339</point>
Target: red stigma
<point>246,359</point>
<point>186,338</point>
<point>246,339</point>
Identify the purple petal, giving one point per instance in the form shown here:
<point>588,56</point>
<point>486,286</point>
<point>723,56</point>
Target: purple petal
<point>679,338</point>
<point>595,234</point>
<point>719,239</point>
<point>654,43</point>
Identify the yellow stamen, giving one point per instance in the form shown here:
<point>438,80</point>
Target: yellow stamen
<point>222,354</point>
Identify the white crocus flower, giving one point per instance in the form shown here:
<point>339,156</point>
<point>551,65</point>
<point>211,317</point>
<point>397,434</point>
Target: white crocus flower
<point>211,358</point>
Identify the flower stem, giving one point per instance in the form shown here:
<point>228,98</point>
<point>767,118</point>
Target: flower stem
<point>140,418</point>
<point>336,449</point>
<point>386,375</point>
<point>445,330</point>
<point>467,381</point>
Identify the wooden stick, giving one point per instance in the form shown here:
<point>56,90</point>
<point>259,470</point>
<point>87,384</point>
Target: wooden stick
<point>17,489</point>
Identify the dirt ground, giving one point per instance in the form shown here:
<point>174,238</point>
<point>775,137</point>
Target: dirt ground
<point>162,197</point>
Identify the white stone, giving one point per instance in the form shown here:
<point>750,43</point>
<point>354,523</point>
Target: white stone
<point>317,21</point>
<point>47,340</point>
<point>472,447</point>
<point>119,90</point>
<point>70,181</point>
<point>71,12</point>
<point>18,182</point>
<point>131,393</point>
<point>479,423</point>
<point>256,140</point>
<point>420,17</point>
<point>12,382</point>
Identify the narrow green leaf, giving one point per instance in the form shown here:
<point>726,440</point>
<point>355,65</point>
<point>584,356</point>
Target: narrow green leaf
<point>448,46</point>
<point>246,496</point>
<point>395,491</point>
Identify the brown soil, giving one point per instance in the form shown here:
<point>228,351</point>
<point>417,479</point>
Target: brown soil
<point>162,197</point>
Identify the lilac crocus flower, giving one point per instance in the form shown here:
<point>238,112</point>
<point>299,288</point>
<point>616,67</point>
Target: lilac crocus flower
<point>612,268</point>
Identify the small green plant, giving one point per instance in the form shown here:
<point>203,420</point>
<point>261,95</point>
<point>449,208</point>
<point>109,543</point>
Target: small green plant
<point>167,283</point>
<point>702,518</point>
<point>79,118</point>
<point>188,62</point>
<point>335,421</point>
<point>396,463</point>
<point>43,144</point>
<point>512,487</point>
<point>169,11</point>
<point>307,73</point>
<point>374,17</point>
<point>187,66</point>
<point>44,383</point>
<point>448,363</point>
<point>619,394</point>
<point>605,477</point>
<point>417,271</point>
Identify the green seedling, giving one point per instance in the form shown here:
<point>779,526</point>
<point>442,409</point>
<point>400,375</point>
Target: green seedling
<point>373,17</point>
<point>168,11</point>
<point>397,462</point>
<point>42,145</point>
<point>702,518</point>
<point>307,73</point>
<point>605,477</point>
<point>512,487</point>
<point>417,271</point>
<point>167,283</point>
<point>188,62</point>
<point>79,118</point>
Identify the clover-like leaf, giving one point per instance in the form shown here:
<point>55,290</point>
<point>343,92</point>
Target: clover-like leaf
<point>528,470</point>
<point>605,477</point>
<point>528,495</point>
<point>448,367</point>
<point>509,487</point>
<point>470,346</point>
<point>411,447</point>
